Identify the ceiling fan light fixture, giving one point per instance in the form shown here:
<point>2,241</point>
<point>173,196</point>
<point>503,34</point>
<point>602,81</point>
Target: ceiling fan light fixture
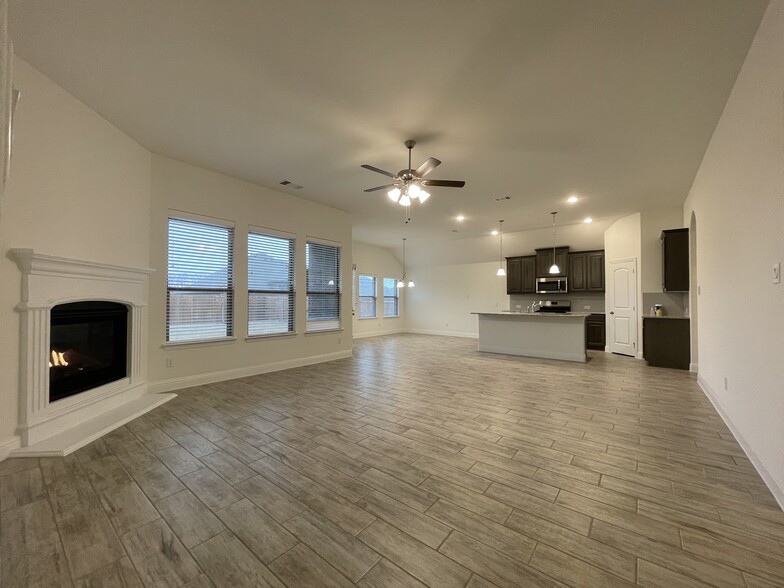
<point>405,200</point>
<point>394,194</point>
<point>414,190</point>
<point>423,196</point>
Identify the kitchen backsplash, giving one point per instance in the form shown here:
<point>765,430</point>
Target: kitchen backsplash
<point>675,303</point>
<point>594,302</point>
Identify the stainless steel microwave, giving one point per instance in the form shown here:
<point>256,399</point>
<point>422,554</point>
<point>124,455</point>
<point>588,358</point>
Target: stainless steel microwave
<point>551,286</point>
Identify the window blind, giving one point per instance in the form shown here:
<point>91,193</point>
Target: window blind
<point>323,286</point>
<point>200,292</point>
<point>391,301</point>
<point>271,288</point>
<point>367,296</point>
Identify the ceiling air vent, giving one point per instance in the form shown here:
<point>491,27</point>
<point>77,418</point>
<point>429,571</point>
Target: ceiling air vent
<point>291,185</point>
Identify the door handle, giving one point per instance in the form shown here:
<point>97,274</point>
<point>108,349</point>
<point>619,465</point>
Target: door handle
<point>612,312</point>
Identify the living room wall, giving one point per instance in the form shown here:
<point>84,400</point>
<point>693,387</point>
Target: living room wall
<point>80,188</point>
<point>737,200</point>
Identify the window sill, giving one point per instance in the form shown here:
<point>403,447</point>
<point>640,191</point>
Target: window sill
<point>201,343</point>
<point>270,336</point>
<point>392,317</point>
<point>368,318</point>
<point>325,331</point>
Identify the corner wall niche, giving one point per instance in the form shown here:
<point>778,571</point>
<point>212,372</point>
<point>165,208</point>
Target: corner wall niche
<point>101,305</point>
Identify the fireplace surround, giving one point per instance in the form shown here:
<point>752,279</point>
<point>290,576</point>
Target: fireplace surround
<point>60,424</point>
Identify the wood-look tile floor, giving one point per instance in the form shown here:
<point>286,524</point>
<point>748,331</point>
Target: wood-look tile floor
<point>418,462</point>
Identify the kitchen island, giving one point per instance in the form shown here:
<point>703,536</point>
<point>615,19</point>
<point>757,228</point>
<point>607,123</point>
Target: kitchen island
<point>533,334</point>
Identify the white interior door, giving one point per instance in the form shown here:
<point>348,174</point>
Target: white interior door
<point>622,307</point>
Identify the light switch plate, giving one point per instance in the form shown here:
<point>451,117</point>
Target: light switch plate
<point>777,273</point>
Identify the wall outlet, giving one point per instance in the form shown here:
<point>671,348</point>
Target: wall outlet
<point>776,273</point>
<point>169,362</point>
<point>726,384</point>
<point>586,307</point>
<point>518,305</point>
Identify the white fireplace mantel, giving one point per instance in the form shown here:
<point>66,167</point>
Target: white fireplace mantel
<point>57,428</point>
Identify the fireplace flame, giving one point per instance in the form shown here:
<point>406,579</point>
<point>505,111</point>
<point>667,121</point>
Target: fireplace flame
<point>58,359</point>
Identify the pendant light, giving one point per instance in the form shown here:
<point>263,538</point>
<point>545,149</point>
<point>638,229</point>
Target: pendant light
<point>403,282</point>
<point>554,269</point>
<point>501,273</point>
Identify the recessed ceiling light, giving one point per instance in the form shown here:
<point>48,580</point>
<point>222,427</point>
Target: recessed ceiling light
<point>460,217</point>
<point>494,232</point>
<point>572,199</point>
<point>588,220</point>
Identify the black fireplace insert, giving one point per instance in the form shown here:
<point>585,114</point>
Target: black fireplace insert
<point>88,347</point>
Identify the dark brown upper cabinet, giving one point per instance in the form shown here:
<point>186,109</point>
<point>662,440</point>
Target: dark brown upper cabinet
<point>675,260</point>
<point>586,271</point>
<point>544,259</point>
<point>520,275</point>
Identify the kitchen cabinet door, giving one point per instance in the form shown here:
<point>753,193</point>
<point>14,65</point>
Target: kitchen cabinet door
<point>529,274</point>
<point>595,335</point>
<point>577,272</point>
<point>514,275</point>
<point>666,342</point>
<point>594,265</point>
<point>675,260</point>
<point>544,259</point>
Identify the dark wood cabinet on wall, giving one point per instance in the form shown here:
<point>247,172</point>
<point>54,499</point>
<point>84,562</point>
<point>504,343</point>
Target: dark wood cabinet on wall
<point>520,275</point>
<point>586,271</point>
<point>675,260</point>
<point>544,259</point>
<point>595,332</point>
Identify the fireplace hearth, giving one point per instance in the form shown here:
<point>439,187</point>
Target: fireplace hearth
<point>88,348</point>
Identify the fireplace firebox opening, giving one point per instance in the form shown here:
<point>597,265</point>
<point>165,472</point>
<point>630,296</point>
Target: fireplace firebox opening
<point>88,346</point>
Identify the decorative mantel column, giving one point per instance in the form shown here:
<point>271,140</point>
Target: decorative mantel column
<point>56,428</point>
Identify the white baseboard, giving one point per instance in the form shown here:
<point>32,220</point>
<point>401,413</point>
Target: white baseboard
<point>464,334</point>
<point>693,368</point>
<point>244,372</point>
<point>778,493</point>
<point>8,445</point>
<point>377,333</point>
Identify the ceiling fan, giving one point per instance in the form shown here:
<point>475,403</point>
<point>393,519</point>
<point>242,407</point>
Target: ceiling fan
<point>408,183</point>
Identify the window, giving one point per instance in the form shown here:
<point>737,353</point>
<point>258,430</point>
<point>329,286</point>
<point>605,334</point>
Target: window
<point>391,308</point>
<point>367,296</point>
<point>270,284</point>
<point>323,286</point>
<point>200,293</point>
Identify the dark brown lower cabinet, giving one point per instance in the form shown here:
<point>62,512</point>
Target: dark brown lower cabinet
<point>666,342</point>
<point>595,332</point>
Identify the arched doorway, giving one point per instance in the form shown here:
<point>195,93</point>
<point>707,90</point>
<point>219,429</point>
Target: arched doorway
<point>694,292</point>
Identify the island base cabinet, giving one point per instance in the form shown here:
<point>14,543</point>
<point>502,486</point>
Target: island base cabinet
<point>595,332</point>
<point>666,342</point>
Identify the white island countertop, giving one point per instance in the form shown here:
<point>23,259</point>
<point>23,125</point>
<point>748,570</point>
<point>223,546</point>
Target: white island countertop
<point>549,335</point>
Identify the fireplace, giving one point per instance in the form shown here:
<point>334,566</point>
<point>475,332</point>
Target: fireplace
<point>88,346</point>
<point>82,351</point>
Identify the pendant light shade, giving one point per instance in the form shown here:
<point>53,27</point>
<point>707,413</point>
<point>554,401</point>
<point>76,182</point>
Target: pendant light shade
<point>501,273</point>
<point>403,282</point>
<point>554,269</point>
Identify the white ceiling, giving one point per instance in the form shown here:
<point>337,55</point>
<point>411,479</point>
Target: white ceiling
<point>613,99</point>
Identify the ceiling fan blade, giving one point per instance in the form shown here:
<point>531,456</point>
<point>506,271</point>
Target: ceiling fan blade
<point>424,169</point>
<point>377,170</point>
<point>380,187</point>
<point>444,183</point>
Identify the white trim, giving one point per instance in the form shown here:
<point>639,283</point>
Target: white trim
<point>234,373</point>
<point>200,218</point>
<point>770,482</point>
<point>199,343</point>
<point>378,333</point>
<point>464,334</point>
<point>8,445</point>
<point>694,368</point>
<point>270,232</point>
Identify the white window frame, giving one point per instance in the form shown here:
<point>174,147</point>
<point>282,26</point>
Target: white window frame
<point>182,216</point>
<point>374,297</point>
<point>292,290</point>
<point>396,297</point>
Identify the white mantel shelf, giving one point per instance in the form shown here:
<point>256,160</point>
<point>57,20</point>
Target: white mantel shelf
<point>542,335</point>
<point>56,428</point>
